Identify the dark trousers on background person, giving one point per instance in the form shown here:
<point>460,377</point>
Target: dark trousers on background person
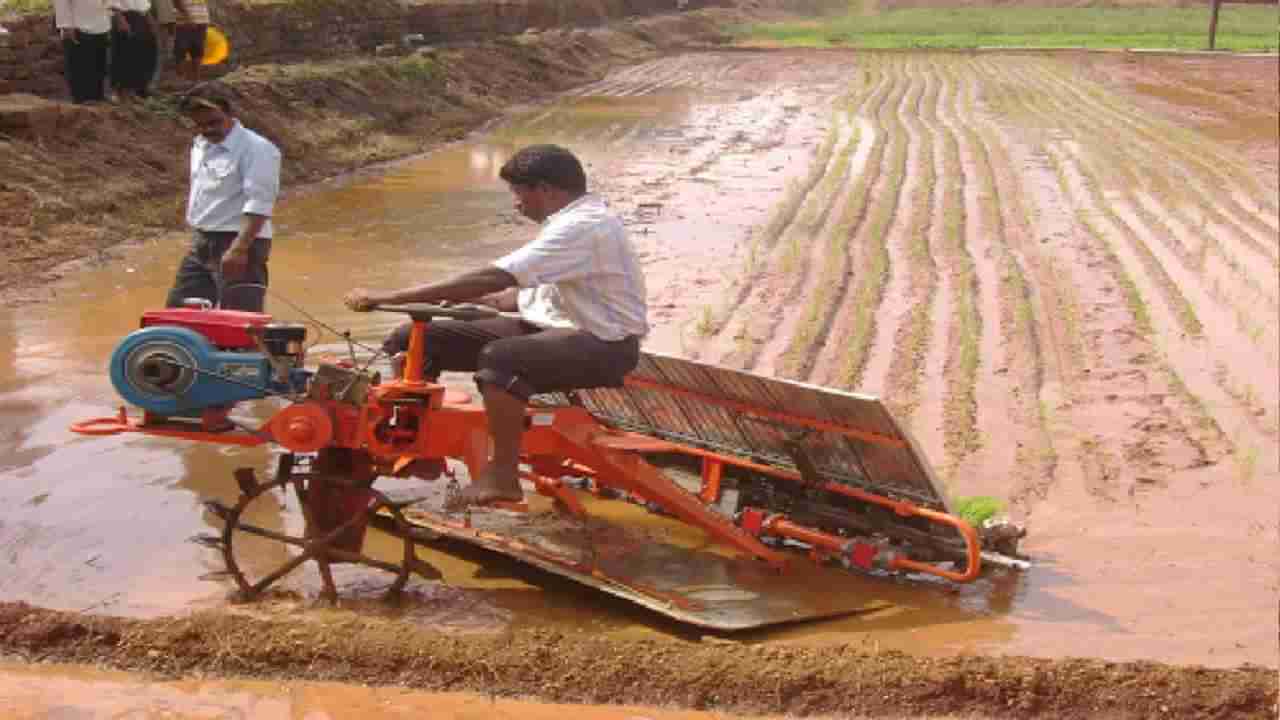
<point>86,66</point>
<point>134,55</point>
<point>200,275</point>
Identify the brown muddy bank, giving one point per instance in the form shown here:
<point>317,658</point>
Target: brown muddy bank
<point>79,181</point>
<point>711,674</point>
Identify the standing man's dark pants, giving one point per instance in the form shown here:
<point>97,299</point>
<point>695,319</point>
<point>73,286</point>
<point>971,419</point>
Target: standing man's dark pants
<point>86,66</point>
<point>134,55</point>
<point>521,358</point>
<point>200,274</point>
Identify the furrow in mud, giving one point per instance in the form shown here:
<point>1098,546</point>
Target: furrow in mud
<point>1039,222</point>
<point>738,344</point>
<point>975,402</point>
<point>1183,192</point>
<point>841,266</point>
<point>1010,408</point>
<point>911,342</point>
<point>885,227</point>
<point>1131,269</point>
<point>728,332</point>
<point>965,335</point>
<point>1126,376</point>
<point>849,344</point>
<point>929,423</point>
<point>785,349</point>
<point>1112,178</point>
<point>1234,284</point>
<point>1225,330</point>
<point>1205,176</point>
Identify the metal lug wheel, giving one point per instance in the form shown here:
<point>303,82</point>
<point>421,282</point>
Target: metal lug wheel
<point>258,556</point>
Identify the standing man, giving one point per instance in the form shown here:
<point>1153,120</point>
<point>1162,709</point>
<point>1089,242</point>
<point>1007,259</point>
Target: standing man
<point>85,29</point>
<point>581,303</point>
<point>188,37</point>
<point>165,18</point>
<point>134,50</point>
<point>235,178</point>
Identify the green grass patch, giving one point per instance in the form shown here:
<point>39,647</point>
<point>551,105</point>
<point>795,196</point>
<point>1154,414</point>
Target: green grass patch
<point>977,509</point>
<point>26,7</point>
<point>1240,28</point>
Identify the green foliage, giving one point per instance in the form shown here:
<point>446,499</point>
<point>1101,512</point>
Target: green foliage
<point>419,68</point>
<point>26,7</point>
<point>1240,28</point>
<point>977,509</point>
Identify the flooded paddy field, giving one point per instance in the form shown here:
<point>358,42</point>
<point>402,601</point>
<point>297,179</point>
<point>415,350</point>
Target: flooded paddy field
<point>1062,281</point>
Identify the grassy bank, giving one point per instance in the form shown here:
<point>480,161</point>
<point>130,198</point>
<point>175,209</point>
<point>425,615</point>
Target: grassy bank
<point>1240,28</point>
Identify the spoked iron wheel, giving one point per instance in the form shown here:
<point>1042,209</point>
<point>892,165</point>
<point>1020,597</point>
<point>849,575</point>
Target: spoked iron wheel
<point>337,501</point>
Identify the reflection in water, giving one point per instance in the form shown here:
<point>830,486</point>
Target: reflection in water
<point>102,523</point>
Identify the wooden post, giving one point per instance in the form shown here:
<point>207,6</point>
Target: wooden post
<point>1213,22</point>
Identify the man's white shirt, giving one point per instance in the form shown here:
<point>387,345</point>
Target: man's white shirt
<point>582,272</point>
<point>239,175</point>
<point>90,16</point>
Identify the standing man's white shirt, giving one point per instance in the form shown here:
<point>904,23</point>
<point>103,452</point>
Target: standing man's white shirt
<point>90,16</point>
<point>590,272</point>
<point>239,175</point>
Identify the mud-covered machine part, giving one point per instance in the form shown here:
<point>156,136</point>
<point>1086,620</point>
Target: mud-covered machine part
<point>775,472</point>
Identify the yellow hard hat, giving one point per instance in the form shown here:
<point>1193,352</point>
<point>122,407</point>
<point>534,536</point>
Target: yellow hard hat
<point>216,46</point>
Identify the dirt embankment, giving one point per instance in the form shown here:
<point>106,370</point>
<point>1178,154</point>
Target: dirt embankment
<point>80,180</point>
<point>711,674</point>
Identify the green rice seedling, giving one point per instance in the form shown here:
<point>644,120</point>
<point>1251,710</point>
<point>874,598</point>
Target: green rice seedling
<point>977,509</point>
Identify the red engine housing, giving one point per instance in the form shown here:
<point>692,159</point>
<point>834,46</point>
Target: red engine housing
<point>226,329</point>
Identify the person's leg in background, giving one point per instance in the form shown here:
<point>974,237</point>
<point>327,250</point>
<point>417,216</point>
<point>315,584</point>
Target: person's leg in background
<point>194,279</point>
<point>86,66</point>
<point>164,22</point>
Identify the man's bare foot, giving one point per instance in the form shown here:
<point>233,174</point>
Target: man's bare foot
<point>484,490</point>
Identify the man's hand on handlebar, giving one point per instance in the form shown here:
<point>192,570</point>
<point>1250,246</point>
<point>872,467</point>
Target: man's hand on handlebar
<point>360,300</point>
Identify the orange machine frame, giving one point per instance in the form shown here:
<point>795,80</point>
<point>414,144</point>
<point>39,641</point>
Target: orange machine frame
<point>411,418</point>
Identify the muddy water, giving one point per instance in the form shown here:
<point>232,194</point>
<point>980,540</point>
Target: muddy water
<point>101,524</point>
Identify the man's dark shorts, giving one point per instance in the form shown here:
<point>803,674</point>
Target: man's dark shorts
<point>188,41</point>
<point>200,275</point>
<point>521,358</point>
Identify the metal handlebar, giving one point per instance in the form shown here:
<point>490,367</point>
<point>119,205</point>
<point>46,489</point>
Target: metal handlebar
<point>426,312</point>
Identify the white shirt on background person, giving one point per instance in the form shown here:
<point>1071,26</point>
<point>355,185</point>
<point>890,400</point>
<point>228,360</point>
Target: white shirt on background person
<point>89,16</point>
<point>239,175</point>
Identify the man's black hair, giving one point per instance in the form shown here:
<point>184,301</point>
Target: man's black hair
<point>550,164</point>
<point>211,94</point>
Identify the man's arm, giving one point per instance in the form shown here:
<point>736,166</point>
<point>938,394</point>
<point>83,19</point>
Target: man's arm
<point>65,19</point>
<point>460,288</point>
<point>503,300</point>
<point>261,186</point>
<point>236,258</point>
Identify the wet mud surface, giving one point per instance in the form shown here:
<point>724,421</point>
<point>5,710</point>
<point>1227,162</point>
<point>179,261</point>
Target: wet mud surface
<point>555,667</point>
<point>1062,282</point>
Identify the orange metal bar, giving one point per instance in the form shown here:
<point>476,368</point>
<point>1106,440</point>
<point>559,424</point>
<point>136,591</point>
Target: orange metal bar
<point>712,470</point>
<point>124,423</point>
<point>973,550</point>
<point>973,546</point>
<point>416,354</point>
<point>577,432</point>
<point>779,525</point>
<point>554,489</point>
<point>747,409</point>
